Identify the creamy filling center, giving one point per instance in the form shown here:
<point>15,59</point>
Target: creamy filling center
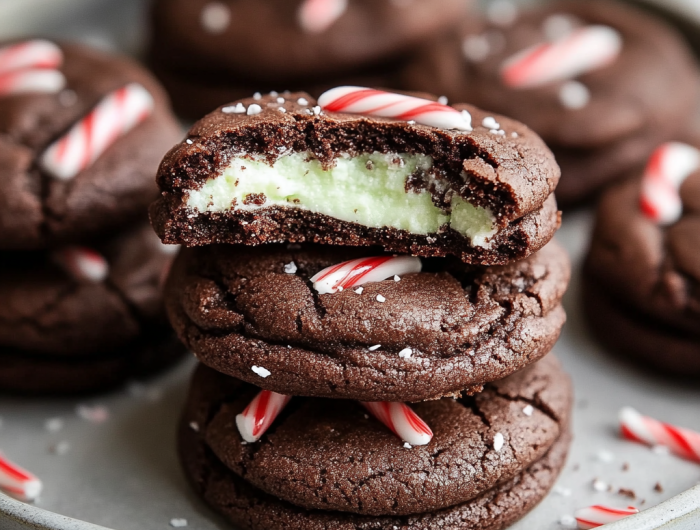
<point>374,190</point>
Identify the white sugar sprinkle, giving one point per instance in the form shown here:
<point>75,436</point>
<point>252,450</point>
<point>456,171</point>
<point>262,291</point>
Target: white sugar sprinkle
<point>661,450</point>
<point>502,12</point>
<point>262,372</point>
<point>94,414</point>
<point>375,347</point>
<point>380,298</point>
<point>490,123</point>
<point>194,426</point>
<point>568,521</point>
<point>215,17</point>
<point>190,142</point>
<point>467,117</point>
<point>443,100</point>
<point>605,456</point>
<point>561,490</point>
<point>274,93</point>
<point>257,96</point>
<point>303,101</point>
<point>574,95</point>
<point>599,485</point>
<point>514,134</point>
<point>359,290</point>
<point>411,122</point>
<point>178,523</point>
<point>476,48</point>
<point>254,109</point>
<point>54,424</point>
<point>397,278</point>
<point>528,410</point>
<point>282,109</point>
<point>407,445</point>
<point>290,268</point>
<point>234,109</point>
<point>317,110</point>
<point>60,448</point>
<point>405,353</point>
<point>558,26</point>
<point>340,288</point>
<point>498,442</point>
<point>280,100</point>
<point>366,416</point>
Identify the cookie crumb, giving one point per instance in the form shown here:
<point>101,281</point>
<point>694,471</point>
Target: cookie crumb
<point>375,347</point>
<point>405,353</point>
<point>194,426</point>
<point>528,410</point>
<point>625,467</point>
<point>262,372</point>
<point>658,488</point>
<point>380,298</point>
<point>626,492</point>
<point>290,268</point>
<point>498,441</point>
<point>178,523</point>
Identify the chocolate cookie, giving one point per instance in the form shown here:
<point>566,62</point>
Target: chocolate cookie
<point>274,169</point>
<point>329,455</point>
<point>92,314</point>
<point>207,51</point>
<point>245,308</point>
<point>46,199</point>
<point>601,120</point>
<point>642,278</point>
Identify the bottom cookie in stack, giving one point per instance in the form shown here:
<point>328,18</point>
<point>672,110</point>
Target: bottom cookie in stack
<point>82,319</point>
<point>328,464</point>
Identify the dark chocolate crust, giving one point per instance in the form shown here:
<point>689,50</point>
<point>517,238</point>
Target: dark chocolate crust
<point>263,41</point>
<point>48,313</point>
<point>251,509</point>
<point>513,176</point>
<point>38,211</point>
<point>236,308</point>
<point>647,96</point>
<point>37,375</point>
<point>646,278</point>
<point>330,455</point>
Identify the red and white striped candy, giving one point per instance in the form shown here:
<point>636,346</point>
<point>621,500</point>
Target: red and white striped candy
<point>598,515</point>
<point>117,113</point>
<point>401,420</point>
<point>31,82</point>
<point>583,50</point>
<point>18,482</point>
<point>666,171</point>
<point>30,55</point>
<point>83,264</point>
<point>259,414</point>
<point>682,442</point>
<point>363,270</point>
<point>370,102</point>
<point>316,16</point>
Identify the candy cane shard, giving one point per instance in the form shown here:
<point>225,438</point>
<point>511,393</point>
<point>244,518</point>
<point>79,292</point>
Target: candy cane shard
<point>642,429</point>
<point>401,420</point>
<point>370,102</point>
<point>666,171</point>
<point>259,414</point>
<point>83,264</point>
<point>581,51</point>
<point>316,16</point>
<point>30,55</point>
<point>598,515</point>
<point>363,270</point>
<point>18,482</point>
<point>31,82</point>
<point>114,116</point>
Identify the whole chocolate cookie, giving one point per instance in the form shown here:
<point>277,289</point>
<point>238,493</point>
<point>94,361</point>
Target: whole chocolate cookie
<point>208,50</point>
<point>96,313</point>
<point>329,455</point>
<point>273,169</point>
<point>642,278</point>
<point>241,309</point>
<point>601,120</point>
<point>62,196</point>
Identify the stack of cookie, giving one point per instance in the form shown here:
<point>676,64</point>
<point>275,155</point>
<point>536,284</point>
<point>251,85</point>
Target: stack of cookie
<point>207,52</point>
<point>372,291</point>
<point>81,134</point>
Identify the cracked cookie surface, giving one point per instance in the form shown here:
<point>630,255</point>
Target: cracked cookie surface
<point>330,455</point>
<point>38,211</point>
<point>236,308</point>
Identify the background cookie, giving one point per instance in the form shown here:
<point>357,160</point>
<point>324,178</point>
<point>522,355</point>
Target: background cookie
<point>236,308</point>
<point>38,210</point>
<point>366,469</point>
<point>601,124</point>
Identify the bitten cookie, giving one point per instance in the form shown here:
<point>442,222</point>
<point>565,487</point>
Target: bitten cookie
<point>415,177</point>
<point>81,318</point>
<point>642,272</point>
<point>603,83</point>
<point>256,313</point>
<point>81,135</point>
<point>210,52</point>
<point>492,439</point>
